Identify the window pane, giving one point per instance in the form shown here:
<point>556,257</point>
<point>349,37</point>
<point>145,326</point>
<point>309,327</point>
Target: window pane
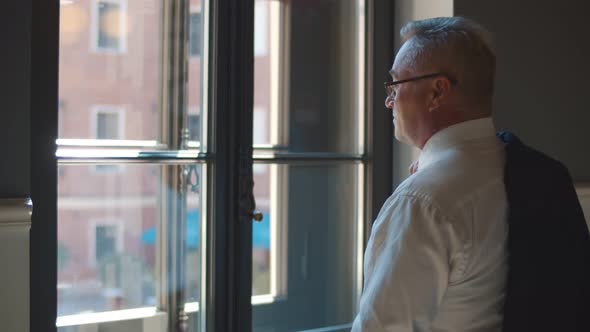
<point>107,224</point>
<point>310,89</point>
<point>314,228</point>
<point>109,56</point>
<point>195,71</point>
<point>193,239</point>
<point>194,126</point>
<point>194,252</point>
<point>266,75</point>
<point>262,254</point>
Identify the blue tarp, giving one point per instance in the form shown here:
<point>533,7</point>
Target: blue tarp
<point>260,232</point>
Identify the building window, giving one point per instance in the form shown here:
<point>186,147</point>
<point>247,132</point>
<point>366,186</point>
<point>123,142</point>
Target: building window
<point>195,34</point>
<point>194,124</point>
<point>105,242</point>
<point>108,122</point>
<point>105,239</point>
<point>109,28</point>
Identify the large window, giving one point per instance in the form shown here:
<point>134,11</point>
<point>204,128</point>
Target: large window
<point>129,186</point>
<point>140,230</point>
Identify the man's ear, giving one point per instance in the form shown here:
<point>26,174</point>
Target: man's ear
<point>441,88</point>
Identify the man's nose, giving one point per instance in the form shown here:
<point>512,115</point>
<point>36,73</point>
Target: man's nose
<point>389,102</point>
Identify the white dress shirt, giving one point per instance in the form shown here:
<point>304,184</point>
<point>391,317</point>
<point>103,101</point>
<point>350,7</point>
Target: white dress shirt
<point>436,259</point>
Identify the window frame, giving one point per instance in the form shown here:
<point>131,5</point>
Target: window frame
<point>43,48</point>
<point>96,111</point>
<point>44,52</point>
<point>174,158</point>
<point>273,154</point>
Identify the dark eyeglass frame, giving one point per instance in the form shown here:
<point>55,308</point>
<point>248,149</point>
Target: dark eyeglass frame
<point>389,86</point>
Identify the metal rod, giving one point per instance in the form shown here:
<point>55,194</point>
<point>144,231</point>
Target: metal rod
<point>307,157</point>
<point>181,157</point>
<point>130,156</point>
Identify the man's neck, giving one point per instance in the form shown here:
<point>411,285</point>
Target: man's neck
<point>450,118</point>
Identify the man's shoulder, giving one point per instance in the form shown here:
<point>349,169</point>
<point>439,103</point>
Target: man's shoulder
<point>426,186</point>
<point>434,180</point>
<point>454,182</point>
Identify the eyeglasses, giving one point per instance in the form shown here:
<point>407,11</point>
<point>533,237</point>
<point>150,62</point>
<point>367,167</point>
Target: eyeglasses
<point>390,86</point>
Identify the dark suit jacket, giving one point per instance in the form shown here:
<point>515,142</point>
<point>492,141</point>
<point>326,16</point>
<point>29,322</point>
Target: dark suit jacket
<point>548,285</point>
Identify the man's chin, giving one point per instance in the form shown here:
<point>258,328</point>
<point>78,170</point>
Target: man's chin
<point>401,138</point>
<point>404,139</point>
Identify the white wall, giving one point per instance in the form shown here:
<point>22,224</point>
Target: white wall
<point>420,9</point>
<point>15,223</point>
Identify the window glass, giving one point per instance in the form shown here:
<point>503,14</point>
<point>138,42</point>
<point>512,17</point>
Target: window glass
<point>106,238</point>
<point>112,217</point>
<point>261,30</point>
<point>194,126</point>
<point>309,87</point>
<point>308,105</point>
<point>266,75</point>
<point>263,256</point>
<point>196,120</point>
<point>316,248</point>
<point>260,135</point>
<point>193,224</point>
<point>118,220</point>
<point>130,80</point>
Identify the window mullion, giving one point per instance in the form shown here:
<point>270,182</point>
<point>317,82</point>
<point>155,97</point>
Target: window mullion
<point>231,73</point>
<point>174,72</point>
<point>174,134</point>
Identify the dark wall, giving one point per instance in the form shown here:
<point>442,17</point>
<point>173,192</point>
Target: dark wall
<point>543,72</point>
<point>29,31</point>
<point>15,36</point>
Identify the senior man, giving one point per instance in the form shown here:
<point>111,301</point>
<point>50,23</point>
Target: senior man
<point>436,259</point>
<point>440,257</point>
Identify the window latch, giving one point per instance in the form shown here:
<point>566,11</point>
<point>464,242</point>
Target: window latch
<point>192,178</point>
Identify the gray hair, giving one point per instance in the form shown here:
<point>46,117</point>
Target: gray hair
<point>458,47</point>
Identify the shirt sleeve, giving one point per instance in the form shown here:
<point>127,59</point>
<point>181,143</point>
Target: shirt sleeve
<point>407,266</point>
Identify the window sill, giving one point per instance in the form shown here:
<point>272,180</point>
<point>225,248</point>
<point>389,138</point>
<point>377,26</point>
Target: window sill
<point>111,316</point>
<point>142,315</point>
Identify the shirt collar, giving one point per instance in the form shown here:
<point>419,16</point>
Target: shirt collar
<point>455,135</point>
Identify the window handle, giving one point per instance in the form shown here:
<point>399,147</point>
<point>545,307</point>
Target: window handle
<point>257,215</point>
